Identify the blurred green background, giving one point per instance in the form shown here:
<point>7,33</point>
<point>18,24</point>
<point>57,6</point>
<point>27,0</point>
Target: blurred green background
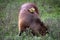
<point>49,13</point>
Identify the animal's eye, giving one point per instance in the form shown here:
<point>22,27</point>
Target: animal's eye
<point>32,10</point>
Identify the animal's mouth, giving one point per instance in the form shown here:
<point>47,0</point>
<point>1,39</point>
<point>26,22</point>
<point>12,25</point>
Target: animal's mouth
<point>44,33</point>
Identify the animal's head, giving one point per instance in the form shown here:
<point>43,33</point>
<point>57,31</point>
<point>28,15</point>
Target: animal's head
<point>40,27</point>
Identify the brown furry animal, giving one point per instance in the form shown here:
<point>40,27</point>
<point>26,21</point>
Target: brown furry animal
<point>29,18</point>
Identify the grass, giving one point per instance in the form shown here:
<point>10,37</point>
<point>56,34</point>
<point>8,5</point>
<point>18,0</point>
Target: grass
<point>9,25</point>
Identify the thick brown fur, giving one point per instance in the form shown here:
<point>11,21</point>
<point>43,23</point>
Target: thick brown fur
<point>30,20</point>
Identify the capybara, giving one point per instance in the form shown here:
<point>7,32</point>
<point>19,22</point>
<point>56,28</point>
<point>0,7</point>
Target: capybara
<point>29,18</point>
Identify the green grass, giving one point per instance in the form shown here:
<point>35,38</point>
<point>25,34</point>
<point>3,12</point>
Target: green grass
<point>9,21</point>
